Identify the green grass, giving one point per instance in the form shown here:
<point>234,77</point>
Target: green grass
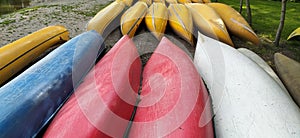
<point>265,21</point>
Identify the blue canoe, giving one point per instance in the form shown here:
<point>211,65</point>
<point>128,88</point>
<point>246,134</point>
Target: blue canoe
<point>30,100</point>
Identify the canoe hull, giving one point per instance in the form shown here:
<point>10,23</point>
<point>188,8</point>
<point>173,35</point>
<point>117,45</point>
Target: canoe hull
<point>173,97</point>
<point>98,106</point>
<point>247,101</point>
<point>235,22</point>
<point>30,100</point>
<point>288,70</point>
<point>156,19</point>
<point>15,56</point>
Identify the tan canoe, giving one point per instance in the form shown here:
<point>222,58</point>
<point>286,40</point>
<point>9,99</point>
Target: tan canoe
<point>209,22</point>
<point>289,71</point>
<point>156,19</point>
<point>235,22</point>
<point>18,54</point>
<point>105,17</point>
<point>132,18</point>
<point>180,20</point>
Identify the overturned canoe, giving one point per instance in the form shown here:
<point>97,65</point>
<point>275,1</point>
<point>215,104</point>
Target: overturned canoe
<point>247,101</point>
<point>132,18</point>
<point>294,33</point>
<point>99,106</point>
<point>17,55</point>
<point>259,61</point>
<point>30,100</point>
<point>209,22</point>
<point>184,1</point>
<point>160,1</point>
<point>180,20</point>
<point>235,22</point>
<point>171,1</point>
<point>289,71</point>
<point>156,19</point>
<point>106,20</point>
<point>174,101</point>
<point>148,2</point>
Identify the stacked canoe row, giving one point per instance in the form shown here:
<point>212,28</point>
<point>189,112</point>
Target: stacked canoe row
<point>212,19</point>
<point>247,97</point>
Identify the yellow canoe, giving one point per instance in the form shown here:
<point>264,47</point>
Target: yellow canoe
<point>132,18</point>
<point>148,2</point>
<point>184,1</point>
<point>209,22</point>
<point>105,17</point>
<point>289,71</point>
<point>18,54</point>
<point>294,33</point>
<point>156,19</point>
<point>127,2</point>
<point>171,1</point>
<point>180,20</point>
<point>161,1</point>
<point>235,22</point>
<point>206,1</point>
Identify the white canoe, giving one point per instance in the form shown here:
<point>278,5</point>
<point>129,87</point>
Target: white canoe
<point>247,102</point>
<point>259,61</point>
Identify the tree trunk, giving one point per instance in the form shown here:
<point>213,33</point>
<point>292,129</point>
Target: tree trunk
<point>249,15</point>
<point>282,18</point>
<point>241,6</point>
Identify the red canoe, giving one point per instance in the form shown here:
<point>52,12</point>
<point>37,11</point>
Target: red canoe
<point>174,101</point>
<point>102,105</point>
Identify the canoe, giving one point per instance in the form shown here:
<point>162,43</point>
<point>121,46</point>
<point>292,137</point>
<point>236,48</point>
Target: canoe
<point>18,54</point>
<point>206,1</point>
<point>148,2</point>
<point>235,22</point>
<point>127,2</point>
<point>294,33</point>
<point>289,71</point>
<point>171,1</point>
<point>173,97</point>
<point>180,20</point>
<point>161,1</point>
<point>209,22</point>
<point>247,102</point>
<point>261,63</point>
<point>156,19</point>
<point>106,20</point>
<point>102,105</point>
<point>184,1</point>
<point>30,100</point>
<point>132,18</point>
<point>197,1</point>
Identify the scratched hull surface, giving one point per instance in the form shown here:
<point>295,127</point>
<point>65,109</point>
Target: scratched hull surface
<point>30,100</point>
<point>173,97</point>
<point>96,103</point>
<point>18,54</point>
<point>259,61</point>
<point>244,104</point>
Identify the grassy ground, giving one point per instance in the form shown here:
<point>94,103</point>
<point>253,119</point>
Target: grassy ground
<point>265,21</point>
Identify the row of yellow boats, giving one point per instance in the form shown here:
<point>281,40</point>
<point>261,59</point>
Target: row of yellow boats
<point>215,20</point>
<point>212,19</point>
